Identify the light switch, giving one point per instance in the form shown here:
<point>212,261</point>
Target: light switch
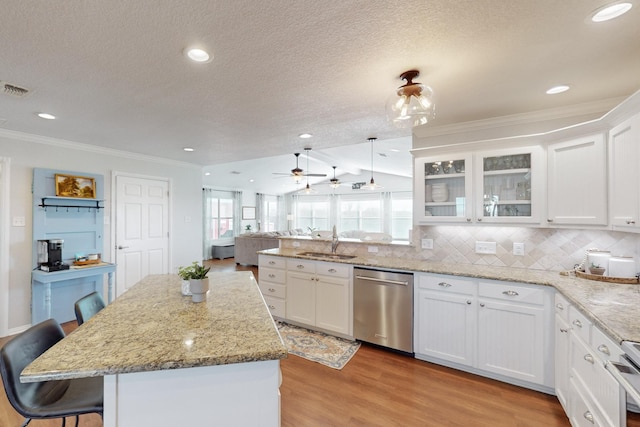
<point>427,243</point>
<point>518,249</point>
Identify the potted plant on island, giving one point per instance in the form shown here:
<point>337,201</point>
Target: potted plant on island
<point>196,275</point>
<point>596,269</point>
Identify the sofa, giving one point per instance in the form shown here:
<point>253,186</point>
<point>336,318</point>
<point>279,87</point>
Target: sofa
<point>247,246</point>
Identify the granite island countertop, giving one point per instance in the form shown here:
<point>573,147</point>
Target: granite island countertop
<point>614,308</point>
<point>154,327</point>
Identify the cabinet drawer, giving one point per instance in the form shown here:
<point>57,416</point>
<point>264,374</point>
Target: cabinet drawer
<point>580,325</point>
<point>604,347</point>
<point>333,269</point>
<point>512,292</point>
<point>272,275</point>
<point>561,306</point>
<point>272,262</point>
<point>583,414</point>
<point>276,306</point>
<point>451,284</point>
<point>273,289</point>
<point>301,265</point>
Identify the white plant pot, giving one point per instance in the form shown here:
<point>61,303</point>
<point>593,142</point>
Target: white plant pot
<point>185,288</point>
<point>199,289</point>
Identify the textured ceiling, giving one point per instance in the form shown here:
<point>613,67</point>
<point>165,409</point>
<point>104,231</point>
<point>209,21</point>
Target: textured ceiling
<point>115,76</point>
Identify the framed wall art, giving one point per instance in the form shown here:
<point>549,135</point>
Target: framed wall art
<point>75,186</point>
<point>248,212</point>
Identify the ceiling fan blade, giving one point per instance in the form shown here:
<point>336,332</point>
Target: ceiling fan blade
<point>315,174</point>
<point>281,173</point>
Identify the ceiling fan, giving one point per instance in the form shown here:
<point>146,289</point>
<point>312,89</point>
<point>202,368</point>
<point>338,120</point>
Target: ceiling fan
<point>297,173</point>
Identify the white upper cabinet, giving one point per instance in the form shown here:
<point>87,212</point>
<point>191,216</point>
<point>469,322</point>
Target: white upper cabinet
<point>577,181</point>
<point>624,153</point>
<point>508,185</point>
<point>442,189</point>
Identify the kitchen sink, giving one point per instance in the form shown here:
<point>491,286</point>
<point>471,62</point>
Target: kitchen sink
<point>326,255</point>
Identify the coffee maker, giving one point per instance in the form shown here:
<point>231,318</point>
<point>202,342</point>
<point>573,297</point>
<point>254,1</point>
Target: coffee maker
<point>50,255</point>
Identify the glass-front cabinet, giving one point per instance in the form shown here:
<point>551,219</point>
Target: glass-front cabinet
<point>507,185</point>
<point>501,186</point>
<point>443,189</point>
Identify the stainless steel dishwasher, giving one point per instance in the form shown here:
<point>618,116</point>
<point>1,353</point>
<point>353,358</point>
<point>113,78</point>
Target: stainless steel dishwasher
<point>383,308</point>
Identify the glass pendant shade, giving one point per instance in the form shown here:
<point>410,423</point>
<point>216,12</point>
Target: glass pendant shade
<point>412,104</point>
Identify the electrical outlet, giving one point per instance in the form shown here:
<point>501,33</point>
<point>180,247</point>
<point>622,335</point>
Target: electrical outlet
<point>427,243</point>
<point>518,249</point>
<point>485,247</point>
<point>18,221</point>
<point>373,249</point>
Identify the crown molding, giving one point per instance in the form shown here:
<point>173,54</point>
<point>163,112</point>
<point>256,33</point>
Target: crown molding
<point>71,145</point>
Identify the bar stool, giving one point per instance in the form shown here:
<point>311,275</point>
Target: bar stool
<point>87,306</point>
<point>45,399</point>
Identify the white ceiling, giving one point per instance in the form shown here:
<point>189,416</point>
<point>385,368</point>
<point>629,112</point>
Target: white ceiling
<point>115,76</point>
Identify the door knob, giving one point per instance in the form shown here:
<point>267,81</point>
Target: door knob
<point>122,247</point>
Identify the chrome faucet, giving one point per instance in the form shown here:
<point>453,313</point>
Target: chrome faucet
<point>334,241</point>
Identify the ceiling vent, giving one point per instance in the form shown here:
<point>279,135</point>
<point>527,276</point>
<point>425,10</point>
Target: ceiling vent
<point>13,90</point>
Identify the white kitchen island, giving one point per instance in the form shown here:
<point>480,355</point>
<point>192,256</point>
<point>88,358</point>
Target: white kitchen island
<point>167,361</point>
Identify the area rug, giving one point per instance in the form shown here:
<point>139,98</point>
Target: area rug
<point>319,347</point>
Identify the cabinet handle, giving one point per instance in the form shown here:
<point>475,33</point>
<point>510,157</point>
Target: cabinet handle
<point>549,220</point>
<point>468,219</point>
<point>589,358</point>
<point>479,219</point>
<point>564,330</point>
<point>272,307</point>
<point>588,416</point>
<point>272,262</point>
<point>300,266</point>
<point>604,349</point>
<point>559,306</point>
<point>577,323</point>
<point>332,270</point>
<point>444,284</point>
<point>271,275</point>
<point>481,304</point>
<point>469,301</point>
<point>510,293</point>
<point>630,221</point>
<point>271,290</point>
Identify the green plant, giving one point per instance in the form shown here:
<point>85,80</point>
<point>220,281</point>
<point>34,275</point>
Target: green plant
<point>595,265</point>
<point>194,271</point>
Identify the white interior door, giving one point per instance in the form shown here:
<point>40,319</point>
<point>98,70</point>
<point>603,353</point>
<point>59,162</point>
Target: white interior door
<point>142,229</point>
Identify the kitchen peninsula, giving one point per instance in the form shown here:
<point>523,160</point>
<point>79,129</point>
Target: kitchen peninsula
<point>167,361</point>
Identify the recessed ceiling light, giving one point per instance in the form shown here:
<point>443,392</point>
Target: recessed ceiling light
<point>207,173</point>
<point>557,89</point>
<point>251,180</point>
<point>305,135</point>
<point>46,116</point>
<point>198,55</point>
<point>189,149</point>
<point>394,150</point>
<point>611,11</point>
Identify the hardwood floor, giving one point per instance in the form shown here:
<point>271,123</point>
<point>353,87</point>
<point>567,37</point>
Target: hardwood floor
<point>383,388</point>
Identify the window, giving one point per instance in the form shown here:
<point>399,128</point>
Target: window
<point>219,218</point>
<point>364,215</point>
<point>269,213</point>
<point>401,215</point>
<point>312,214</point>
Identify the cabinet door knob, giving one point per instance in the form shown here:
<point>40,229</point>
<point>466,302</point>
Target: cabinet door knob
<point>272,307</point>
<point>468,219</point>
<point>564,330</point>
<point>588,416</point>
<point>577,323</point>
<point>630,221</point>
<point>469,301</point>
<point>444,284</point>
<point>272,262</point>
<point>604,349</point>
<point>481,304</point>
<point>332,270</point>
<point>479,219</point>
<point>559,306</point>
<point>510,293</point>
<point>300,266</point>
<point>549,220</point>
<point>271,275</point>
<point>589,358</point>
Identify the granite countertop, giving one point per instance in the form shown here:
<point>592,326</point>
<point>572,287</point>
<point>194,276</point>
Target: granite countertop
<point>614,308</point>
<point>154,327</point>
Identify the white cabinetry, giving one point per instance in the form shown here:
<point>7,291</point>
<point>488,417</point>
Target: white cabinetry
<point>446,318</point>
<point>442,189</point>
<point>318,295</point>
<point>496,329</point>
<point>272,283</point>
<point>577,181</point>
<point>624,154</point>
<point>512,321</point>
<point>588,393</point>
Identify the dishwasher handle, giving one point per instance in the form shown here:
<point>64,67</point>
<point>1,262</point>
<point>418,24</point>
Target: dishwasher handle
<point>391,282</point>
<point>615,369</point>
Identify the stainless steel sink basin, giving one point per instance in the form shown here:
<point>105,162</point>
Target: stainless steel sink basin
<point>326,255</point>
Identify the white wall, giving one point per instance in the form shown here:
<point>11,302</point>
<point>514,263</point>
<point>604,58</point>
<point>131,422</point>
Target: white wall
<point>28,151</point>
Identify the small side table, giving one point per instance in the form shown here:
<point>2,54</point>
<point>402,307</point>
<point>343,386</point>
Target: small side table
<point>223,251</point>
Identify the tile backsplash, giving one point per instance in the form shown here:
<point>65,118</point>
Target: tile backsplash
<point>545,248</point>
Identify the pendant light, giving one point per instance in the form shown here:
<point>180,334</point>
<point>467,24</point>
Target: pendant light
<point>334,182</point>
<point>372,184</point>
<point>412,104</point>
<point>307,189</point>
